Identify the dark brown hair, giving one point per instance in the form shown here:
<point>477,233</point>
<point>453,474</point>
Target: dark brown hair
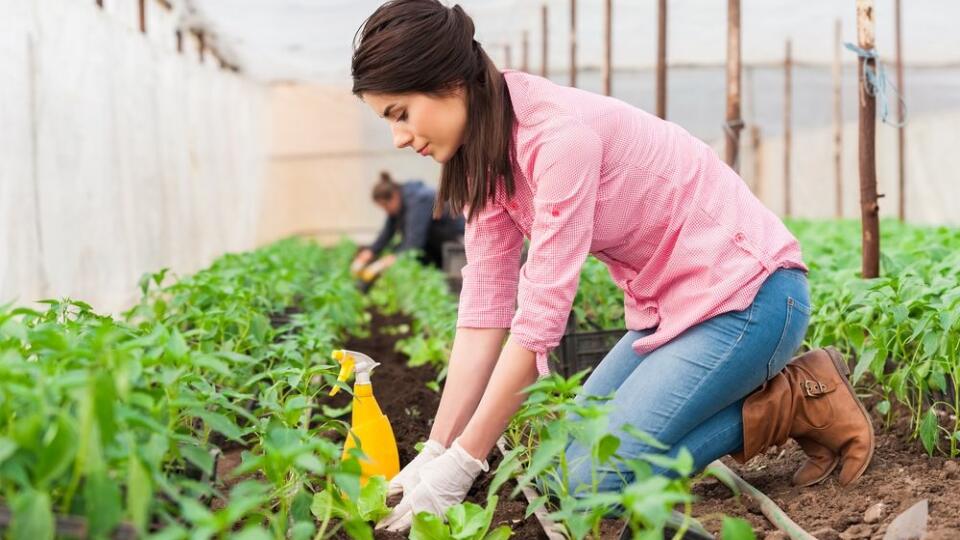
<point>422,46</point>
<point>384,189</point>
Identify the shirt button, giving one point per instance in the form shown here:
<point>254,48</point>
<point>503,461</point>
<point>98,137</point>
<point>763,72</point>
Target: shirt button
<point>555,212</point>
<point>739,237</point>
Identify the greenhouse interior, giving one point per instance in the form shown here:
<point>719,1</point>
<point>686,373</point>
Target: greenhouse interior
<point>368,269</point>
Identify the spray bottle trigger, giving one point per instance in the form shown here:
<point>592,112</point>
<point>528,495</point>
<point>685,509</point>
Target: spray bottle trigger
<point>346,368</point>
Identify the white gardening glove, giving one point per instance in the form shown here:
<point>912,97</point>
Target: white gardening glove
<point>409,477</point>
<point>443,484</point>
<point>374,269</point>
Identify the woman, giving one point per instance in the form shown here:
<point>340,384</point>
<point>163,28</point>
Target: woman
<point>409,208</point>
<point>714,285</point>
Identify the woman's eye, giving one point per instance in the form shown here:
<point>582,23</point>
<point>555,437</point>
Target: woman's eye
<point>402,117</point>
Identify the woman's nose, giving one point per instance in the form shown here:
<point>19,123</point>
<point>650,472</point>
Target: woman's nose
<point>401,136</point>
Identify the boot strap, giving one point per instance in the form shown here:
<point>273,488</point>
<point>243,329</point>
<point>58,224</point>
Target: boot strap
<point>813,388</point>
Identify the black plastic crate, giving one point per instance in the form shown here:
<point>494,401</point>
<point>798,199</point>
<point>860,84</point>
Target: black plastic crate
<point>456,284</point>
<point>581,350</point>
<point>454,258</point>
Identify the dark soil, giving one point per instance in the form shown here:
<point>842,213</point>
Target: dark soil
<point>900,475</point>
<point>404,397</point>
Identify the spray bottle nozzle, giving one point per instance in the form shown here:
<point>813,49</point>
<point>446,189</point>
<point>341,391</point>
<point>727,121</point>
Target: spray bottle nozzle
<point>351,361</point>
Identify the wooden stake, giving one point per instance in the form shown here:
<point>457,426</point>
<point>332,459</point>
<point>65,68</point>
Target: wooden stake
<point>100,3</point>
<point>525,53</point>
<point>734,123</point>
<point>869,208</point>
<point>901,170</point>
<point>573,43</point>
<point>838,119</point>
<point>662,60</point>
<point>607,46</point>
<point>201,46</point>
<point>142,6</point>
<point>787,134</point>
<point>507,60</point>
<point>179,34</point>
<point>545,40</point>
<point>756,144</point>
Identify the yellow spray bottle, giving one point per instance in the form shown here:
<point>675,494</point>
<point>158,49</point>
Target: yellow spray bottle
<point>368,423</point>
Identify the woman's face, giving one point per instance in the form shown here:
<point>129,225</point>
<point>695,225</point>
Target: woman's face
<point>392,205</point>
<point>430,125</point>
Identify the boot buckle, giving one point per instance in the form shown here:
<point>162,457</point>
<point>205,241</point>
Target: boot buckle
<point>814,388</point>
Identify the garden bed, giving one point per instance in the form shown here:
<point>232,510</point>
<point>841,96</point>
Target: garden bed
<point>404,397</point>
<point>899,476</point>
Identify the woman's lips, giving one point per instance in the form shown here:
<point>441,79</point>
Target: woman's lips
<point>425,150</point>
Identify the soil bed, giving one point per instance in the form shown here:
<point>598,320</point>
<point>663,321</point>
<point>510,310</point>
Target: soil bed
<point>404,397</point>
<point>900,475</point>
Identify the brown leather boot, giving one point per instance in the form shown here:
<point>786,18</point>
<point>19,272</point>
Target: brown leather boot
<point>811,401</point>
<point>821,461</point>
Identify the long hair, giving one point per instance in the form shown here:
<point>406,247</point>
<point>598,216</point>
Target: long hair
<point>422,46</point>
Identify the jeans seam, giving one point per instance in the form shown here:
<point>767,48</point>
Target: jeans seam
<point>786,325</point>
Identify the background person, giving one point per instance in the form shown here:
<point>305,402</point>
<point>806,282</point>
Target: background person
<point>410,213</point>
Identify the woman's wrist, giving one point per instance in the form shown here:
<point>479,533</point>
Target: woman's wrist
<point>501,399</point>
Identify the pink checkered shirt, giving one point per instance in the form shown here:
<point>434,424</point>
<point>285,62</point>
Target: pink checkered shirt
<point>680,232</point>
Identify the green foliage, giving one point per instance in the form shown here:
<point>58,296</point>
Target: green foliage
<point>119,418</point>
<point>465,521</point>
<point>539,435</point>
<point>901,329</point>
<point>421,292</point>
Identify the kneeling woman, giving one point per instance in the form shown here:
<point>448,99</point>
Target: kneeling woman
<point>714,285</point>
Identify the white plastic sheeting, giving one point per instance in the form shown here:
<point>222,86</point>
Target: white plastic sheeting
<point>931,176</point>
<point>311,39</point>
<point>117,156</point>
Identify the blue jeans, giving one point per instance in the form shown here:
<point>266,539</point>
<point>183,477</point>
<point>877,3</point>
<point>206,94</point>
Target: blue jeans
<point>689,392</point>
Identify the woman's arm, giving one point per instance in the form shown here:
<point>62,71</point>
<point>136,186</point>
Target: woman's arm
<point>475,352</point>
<point>515,370</point>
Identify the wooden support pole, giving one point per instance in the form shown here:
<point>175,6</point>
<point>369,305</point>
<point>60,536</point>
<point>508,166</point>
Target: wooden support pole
<point>756,146</point>
<point>142,7</point>
<point>525,53</point>
<point>179,35</point>
<point>734,123</point>
<point>507,57</point>
<point>838,119</point>
<point>544,41</point>
<point>661,92</point>
<point>787,132</point>
<point>607,47</point>
<point>901,163</point>
<point>573,43</point>
<point>869,208</point>
<point>201,46</point>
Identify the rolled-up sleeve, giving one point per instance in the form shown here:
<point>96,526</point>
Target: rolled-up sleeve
<point>493,244</point>
<point>566,174</point>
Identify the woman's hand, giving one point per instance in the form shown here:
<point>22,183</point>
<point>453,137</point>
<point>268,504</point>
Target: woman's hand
<point>375,269</point>
<point>443,484</point>
<point>360,261</point>
<point>409,477</point>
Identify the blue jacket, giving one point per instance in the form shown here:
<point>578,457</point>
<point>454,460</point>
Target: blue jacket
<point>415,221</point>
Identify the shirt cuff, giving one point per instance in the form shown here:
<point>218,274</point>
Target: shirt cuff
<point>542,353</point>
